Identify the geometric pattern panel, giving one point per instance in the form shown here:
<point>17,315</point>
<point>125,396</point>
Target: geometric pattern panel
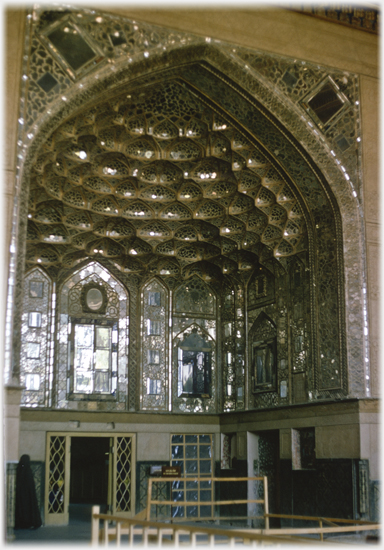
<point>375,501</point>
<point>154,356</point>
<point>10,495</point>
<point>142,474</point>
<point>38,471</point>
<point>123,474</point>
<point>56,478</point>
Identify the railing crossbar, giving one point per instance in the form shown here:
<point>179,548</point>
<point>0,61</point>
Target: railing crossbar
<point>155,531</point>
<point>205,502</point>
<point>183,484</point>
<point>317,518</point>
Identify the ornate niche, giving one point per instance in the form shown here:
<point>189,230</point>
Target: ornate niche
<point>35,338</point>
<point>152,191</point>
<point>299,318</point>
<point>261,288</point>
<point>93,322</point>
<point>300,331</point>
<point>194,366</point>
<point>228,347</point>
<point>93,339</point>
<point>194,312</point>
<point>263,355</point>
<point>194,373</point>
<point>154,348</point>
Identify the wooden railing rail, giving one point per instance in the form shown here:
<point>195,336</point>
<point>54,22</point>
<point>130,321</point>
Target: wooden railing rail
<point>317,518</point>
<point>153,533</point>
<point>354,525</point>
<point>213,480</point>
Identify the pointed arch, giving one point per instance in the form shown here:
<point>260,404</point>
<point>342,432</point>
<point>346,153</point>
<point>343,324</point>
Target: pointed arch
<point>263,354</point>
<point>36,338</point>
<point>224,83</point>
<point>91,298</point>
<point>154,371</point>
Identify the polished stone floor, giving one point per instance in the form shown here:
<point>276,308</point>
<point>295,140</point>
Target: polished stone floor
<point>78,531</point>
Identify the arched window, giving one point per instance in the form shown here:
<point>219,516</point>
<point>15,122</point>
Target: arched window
<point>93,324</point>
<point>194,366</point>
<point>154,349</point>
<point>228,346</point>
<point>194,321</point>
<point>35,338</point>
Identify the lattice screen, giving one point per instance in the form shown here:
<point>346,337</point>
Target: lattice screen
<point>56,479</point>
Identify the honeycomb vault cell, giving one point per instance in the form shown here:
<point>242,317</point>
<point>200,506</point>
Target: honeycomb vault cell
<point>160,171</point>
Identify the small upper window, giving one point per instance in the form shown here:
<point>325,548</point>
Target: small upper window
<point>34,319</point>
<point>154,298</point>
<point>153,327</point>
<point>36,289</point>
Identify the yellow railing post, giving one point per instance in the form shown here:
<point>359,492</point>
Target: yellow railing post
<point>159,537</point>
<point>149,499</point>
<point>266,505</point>
<point>95,526</point>
<point>106,538</point>
<point>131,533</point>
<point>249,536</point>
<point>118,533</point>
<point>145,536</point>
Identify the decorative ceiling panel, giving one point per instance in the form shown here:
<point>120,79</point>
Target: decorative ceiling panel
<point>155,190</point>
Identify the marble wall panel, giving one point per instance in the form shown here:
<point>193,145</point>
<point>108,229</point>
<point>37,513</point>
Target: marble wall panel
<point>337,441</point>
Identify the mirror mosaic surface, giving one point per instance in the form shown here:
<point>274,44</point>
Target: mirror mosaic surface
<point>179,189</point>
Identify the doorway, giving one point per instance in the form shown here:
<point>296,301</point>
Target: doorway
<point>89,474</point>
<point>87,469</point>
<point>264,460</point>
